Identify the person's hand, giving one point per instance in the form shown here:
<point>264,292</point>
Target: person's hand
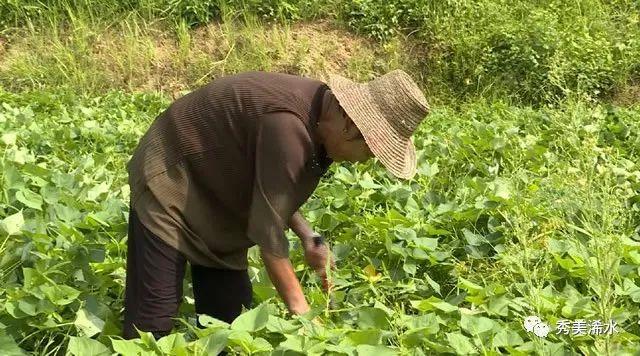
<point>299,308</point>
<point>317,256</point>
<point>283,277</point>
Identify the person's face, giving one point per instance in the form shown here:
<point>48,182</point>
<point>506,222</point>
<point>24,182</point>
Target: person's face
<point>341,137</point>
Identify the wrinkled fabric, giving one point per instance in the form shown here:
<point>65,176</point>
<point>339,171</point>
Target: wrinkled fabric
<point>226,166</point>
<point>153,292</point>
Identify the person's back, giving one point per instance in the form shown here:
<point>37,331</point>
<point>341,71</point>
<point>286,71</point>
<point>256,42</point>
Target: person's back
<point>228,166</point>
<point>217,121</point>
<point>197,161</point>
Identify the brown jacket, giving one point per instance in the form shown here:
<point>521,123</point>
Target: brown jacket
<point>227,165</point>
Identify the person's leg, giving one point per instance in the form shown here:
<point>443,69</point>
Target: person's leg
<point>153,290</point>
<point>221,293</point>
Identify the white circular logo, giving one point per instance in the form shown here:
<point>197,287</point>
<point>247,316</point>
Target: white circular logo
<point>530,322</point>
<point>541,329</point>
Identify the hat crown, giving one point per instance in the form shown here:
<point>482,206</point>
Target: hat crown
<point>387,110</point>
<point>401,101</point>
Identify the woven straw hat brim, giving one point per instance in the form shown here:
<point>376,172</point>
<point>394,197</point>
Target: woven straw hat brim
<point>395,152</point>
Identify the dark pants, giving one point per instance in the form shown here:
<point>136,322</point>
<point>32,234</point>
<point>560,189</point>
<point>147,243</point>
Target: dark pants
<point>153,289</point>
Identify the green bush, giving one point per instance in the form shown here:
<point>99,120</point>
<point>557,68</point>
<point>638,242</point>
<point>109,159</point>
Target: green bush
<point>530,51</point>
<point>383,20</point>
<point>15,13</point>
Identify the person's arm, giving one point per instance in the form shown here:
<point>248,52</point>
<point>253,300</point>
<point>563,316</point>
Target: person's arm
<point>284,279</point>
<point>300,226</point>
<point>316,252</point>
<point>282,147</point>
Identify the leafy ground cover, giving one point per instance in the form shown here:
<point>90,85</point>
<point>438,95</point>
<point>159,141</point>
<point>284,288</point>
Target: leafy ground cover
<point>515,212</point>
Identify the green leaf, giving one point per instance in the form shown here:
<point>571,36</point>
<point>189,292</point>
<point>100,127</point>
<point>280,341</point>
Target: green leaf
<point>469,286</point>
<point>96,191</point>
<point>432,283</point>
<point>280,326</point>
<point>260,345</point>
<point>66,213</point>
<point>50,194</point>
<point>28,305</point>
<point>293,343</point>
<point>427,322</point>
<point>36,171</point>
<point>252,320</point>
<point>11,307</point>
<point>148,340</point>
<point>363,337</point>
<point>60,294</point>
<point>88,323</point>
<point>211,322</point>
<point>128,347</point>
<point>473,239</point>
<point>372,318</point>
<point>84,346</point>
<point>31,278</point>
<point>29,198</point>
<point>410,267</point>
<point>433,231</point>
<point>8,138</point>
<point>428,169</point>
<point>426,243</point>
<point>369,350</point>
<point>336,349</point>
<point>506,337</point>
<point>403,233</point>
<point>461,344</point>
<point>12,178</point>
<point>476,324</point>
<point>367,182</point>
<point>634,256</point>
<point>498,305</point>
<point>394,248</point>
<point>19,155</point>
<point>8,346</point>
<point>13,224</point>
<point>240,338</point>
<point>502,189</point>
<point>171,343</point>
<point>629,288</point>
<point>433,303</point>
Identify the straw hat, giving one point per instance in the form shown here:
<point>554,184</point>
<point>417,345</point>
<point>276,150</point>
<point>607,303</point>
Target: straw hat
<point>387,110</point>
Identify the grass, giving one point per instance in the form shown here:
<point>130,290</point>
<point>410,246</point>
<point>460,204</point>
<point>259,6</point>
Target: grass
<point>136,55</point>
<point>532,53</point>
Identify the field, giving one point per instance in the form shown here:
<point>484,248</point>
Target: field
<point>527,200</point>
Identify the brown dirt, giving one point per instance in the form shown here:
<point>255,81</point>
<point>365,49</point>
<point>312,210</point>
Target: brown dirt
<point>628,95</point>
<point>3,46</point>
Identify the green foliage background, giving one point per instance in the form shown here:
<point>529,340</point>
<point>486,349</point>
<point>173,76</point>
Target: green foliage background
<point>526,203</point>
<point>529,52</point>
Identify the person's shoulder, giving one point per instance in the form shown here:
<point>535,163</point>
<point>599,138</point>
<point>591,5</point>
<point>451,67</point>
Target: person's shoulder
<point>284,125</point>
<point>270,77</point>
<point>284,121</point>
